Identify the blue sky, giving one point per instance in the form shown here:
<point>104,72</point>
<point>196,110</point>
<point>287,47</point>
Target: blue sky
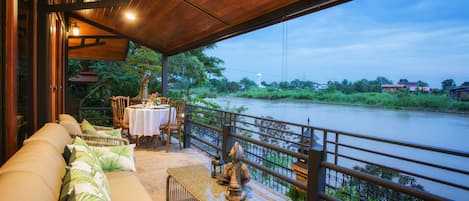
<point>424,40</point>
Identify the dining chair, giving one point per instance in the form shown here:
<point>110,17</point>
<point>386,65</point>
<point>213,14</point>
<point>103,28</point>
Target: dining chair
<point>166,128</point>
<point>119,103</point>
<point>180,106</point>
<point>174,127</point>
<point>164,100</point>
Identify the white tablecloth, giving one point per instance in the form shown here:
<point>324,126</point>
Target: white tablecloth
<point>146,121</point>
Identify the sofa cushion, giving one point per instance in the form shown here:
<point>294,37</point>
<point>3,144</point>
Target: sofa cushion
<point>71,127</point>
<point>24,186</point>
<point>126,186</point>
<point>116,157</point>
<point>85,170</point>
<point>52,133</point>
<point>87,128</point>
<point>112,133</point>
<point>67,117</point>
<point>41,159</point>
<point>84,173</point>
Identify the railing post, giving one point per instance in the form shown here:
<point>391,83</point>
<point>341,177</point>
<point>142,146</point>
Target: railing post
<point>316,173</point>
<point>227,142</point>
<point>187,127</point>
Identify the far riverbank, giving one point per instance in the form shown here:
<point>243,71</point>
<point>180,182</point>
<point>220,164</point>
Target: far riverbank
<point>396,101</point>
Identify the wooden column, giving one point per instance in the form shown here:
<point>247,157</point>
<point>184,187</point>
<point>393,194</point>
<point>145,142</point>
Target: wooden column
<point>43,71</point>
<point>164,75</point>
<point>11,22</point>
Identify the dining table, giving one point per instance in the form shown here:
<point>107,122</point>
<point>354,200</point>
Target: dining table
<point>146,120</point>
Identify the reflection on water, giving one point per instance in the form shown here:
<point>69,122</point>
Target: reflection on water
<point>448,131</point>
<point>428,128</point>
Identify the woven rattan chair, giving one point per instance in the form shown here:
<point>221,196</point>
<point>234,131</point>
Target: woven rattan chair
<point>119,103</point>
<point>164,100</point>
<point>171,127</point>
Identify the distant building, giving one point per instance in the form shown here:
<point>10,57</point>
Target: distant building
<point>460,93</point>
<point>410,86</point>
<point>391,87</point>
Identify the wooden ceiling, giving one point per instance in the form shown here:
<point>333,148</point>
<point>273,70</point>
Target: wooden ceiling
<point>174,26</point>
<point>109,47</point>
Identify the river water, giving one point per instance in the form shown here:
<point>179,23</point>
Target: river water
<point>449,131</point>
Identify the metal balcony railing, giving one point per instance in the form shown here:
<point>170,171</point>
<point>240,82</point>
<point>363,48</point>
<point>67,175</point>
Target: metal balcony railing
<point>339,165</point>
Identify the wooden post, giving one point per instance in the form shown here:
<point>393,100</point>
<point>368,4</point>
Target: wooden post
<point>187,127</point>
<point>316,173</point>
<point>11,21</point>
<point>164,75</point>
<point>43,70</point>
<point>227,142</point>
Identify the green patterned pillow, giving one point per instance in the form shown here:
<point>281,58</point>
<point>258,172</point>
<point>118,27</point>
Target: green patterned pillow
<point>112,133</point>
<point>87,128</point>
<point>84,170</point>
<point>116,157</point>
<point>80,145</point>
<point>87,192</point>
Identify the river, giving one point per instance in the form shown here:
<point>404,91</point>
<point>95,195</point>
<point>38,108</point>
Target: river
<point>450,131</point>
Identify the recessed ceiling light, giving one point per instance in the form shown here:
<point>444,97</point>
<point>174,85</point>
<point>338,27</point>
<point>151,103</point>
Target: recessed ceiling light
<point>130,15</point>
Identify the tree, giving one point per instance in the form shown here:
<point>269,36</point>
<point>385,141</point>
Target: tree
<point>361,86</point>
<point>247,83</point>
<point>447,84</point>
<point>403,80</point>
<point>422,83</point>
<point>145,63</point>
<point>382,80</point>
<point>465,84</point>
<point>193,68</point>
<point>283,85</point>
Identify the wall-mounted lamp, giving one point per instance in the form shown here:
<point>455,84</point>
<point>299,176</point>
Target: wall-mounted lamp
<point>75,29</point>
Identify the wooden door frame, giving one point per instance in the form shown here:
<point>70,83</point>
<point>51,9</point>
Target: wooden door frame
<point>11,24</point>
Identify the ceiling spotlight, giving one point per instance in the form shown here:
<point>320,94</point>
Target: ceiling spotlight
<point>130,15</point>
<point>75,29</point>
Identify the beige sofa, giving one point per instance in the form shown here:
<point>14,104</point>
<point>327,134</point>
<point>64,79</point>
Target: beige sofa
<point>35,172</point>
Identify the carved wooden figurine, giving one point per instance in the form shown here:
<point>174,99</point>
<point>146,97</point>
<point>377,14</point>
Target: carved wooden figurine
<point>237,174</point>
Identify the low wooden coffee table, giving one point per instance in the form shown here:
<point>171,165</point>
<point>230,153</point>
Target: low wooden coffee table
<point>196,183</point>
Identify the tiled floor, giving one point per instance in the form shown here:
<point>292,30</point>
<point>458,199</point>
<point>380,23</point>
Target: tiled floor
<point>152,163</point>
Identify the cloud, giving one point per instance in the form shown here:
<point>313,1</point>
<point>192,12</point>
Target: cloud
<point>349,43</point>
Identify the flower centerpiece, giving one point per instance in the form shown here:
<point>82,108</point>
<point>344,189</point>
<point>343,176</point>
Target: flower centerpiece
<point>153,98</point>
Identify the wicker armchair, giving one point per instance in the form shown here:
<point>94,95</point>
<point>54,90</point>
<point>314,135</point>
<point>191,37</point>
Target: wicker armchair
<point>100,140</point>
<point>119,103</point>
<point>164,100</point>
<point>171,127</point>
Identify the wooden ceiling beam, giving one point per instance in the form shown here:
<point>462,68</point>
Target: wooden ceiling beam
<point>67,7</point>
<point>100,36</point>
<point>84,45</point>
<point>294,10</point>
<point>110,30</point>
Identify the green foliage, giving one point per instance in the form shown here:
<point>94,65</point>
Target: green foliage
<point>295,195</point>
<point>357,189</point>
<point>246,83</point>
<point>274,159</point>
<point>401,99</point>
<point>192,69</point>
<point>448,84</point>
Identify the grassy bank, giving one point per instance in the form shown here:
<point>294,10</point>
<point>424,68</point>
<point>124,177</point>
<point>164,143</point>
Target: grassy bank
<point>399,100</point>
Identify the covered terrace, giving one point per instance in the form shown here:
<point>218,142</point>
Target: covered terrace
<point>38,40</point>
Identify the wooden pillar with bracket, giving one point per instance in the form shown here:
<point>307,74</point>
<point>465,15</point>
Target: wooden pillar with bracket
<point>164,75</point>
